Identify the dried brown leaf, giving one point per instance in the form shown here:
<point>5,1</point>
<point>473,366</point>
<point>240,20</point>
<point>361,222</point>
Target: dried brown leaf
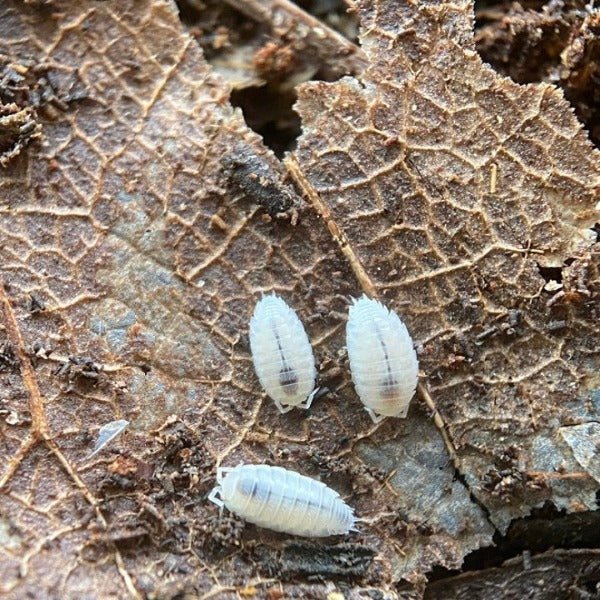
<point>476,188</point>
<point>145,251</point>
<point>558,44</point>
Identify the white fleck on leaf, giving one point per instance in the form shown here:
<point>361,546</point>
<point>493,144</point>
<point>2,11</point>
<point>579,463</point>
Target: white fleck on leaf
<point>107,433</point>
<point>553,286</point>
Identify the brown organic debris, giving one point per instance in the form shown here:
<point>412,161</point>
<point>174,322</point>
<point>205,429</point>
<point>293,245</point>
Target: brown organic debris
<point>557,43</point>
<point>18,127</point>
<point>253,42</point>
<point>555,574</point>
<point>580,73</point>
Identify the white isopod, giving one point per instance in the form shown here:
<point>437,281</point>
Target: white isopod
<point>282,355</point>
<point>282,500</point>
<point>383,360</point>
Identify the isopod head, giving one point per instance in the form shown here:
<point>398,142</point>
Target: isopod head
<point>282,355</point>
<point>382,358</point>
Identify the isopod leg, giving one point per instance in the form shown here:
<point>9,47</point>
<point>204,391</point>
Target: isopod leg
<point>306,404</point>
<point>221,471</point>
<point>375,418</point>
<point>213,497</point>
<point>353,527</point>
<point>283,409</point>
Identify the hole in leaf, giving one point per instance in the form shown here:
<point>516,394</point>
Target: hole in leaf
<point>268,111</point>
<point>551,273</point>
<point>264,61</point>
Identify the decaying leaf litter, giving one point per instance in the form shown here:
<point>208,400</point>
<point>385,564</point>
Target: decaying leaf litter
<point>123,222</point>
<point>558,43</point>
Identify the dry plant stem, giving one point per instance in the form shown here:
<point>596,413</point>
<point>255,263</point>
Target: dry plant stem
<point>335,231</point>
<point>439,423</point>
<point>41,433</point>
<point>39,425</point>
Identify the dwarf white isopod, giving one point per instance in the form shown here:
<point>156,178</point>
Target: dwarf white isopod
<point>282,500</point>
<point>282,355</point>
<point>383,360</point>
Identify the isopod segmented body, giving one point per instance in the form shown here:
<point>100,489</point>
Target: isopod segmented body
<point>382,357</point>
<point>282,500</point>
<point>282,355</point>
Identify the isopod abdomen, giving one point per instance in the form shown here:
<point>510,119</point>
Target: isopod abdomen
<point>282,500</point>
<point>382,357</point>
<point>282,355</point>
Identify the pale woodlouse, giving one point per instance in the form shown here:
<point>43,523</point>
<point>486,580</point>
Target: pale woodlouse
<point>282,355</point>
<point>282,500</point>
<point>382,357</point>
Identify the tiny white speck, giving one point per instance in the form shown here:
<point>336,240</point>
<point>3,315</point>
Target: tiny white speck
<point>106,434</point>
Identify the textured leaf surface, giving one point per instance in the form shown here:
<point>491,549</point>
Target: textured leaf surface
<point>457,190</point>
<point>138,235</point>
